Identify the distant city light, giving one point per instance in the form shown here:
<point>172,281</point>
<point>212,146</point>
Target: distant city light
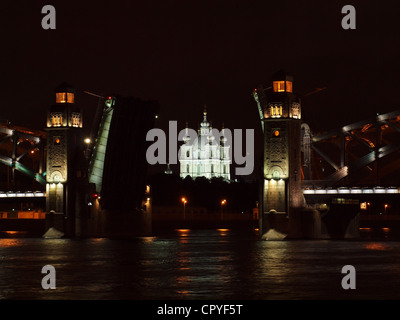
<point>363,206</point>
<point>87,140</point>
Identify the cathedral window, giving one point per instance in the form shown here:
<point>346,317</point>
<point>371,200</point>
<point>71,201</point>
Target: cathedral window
<point>187,154</point>
<point>212,168</point>
<point>187,168</point>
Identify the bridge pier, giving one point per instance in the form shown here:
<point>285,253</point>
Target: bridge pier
<point>303,224</point>
<point>311,224</point>
<point>341,222</point>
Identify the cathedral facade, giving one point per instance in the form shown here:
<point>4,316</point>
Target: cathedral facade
<point>206,156</point>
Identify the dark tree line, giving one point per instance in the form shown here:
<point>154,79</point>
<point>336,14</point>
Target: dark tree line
<point>168,190</point>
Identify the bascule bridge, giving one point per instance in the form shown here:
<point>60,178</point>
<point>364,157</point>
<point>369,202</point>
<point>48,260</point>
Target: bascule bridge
<point>315,184</point>
<point>82,186</point>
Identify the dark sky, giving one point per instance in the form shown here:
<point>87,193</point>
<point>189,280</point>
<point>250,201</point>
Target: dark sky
<point>189,53</point>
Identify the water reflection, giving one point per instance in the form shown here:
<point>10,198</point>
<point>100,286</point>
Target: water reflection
<point>377,246</point>
<point>383,233</point>
<point>147,239</point>
<point>223,232</point>
<point>198,264</point>
<point>182,234</point>
<point>10,242</point>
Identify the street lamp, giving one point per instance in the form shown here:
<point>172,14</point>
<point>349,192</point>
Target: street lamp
<point>223,202</point>
<point>184,201</point>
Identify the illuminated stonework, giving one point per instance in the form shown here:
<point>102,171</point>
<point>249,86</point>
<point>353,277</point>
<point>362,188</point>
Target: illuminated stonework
<point>280,113</point>
<point>64,113</point>
<point>56,157</point>
<point>207,157</point>
<point>62,119</point>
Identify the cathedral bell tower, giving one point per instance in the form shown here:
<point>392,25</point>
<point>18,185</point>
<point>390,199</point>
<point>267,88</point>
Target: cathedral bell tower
<point>64,119</point>
<point>280,114</point>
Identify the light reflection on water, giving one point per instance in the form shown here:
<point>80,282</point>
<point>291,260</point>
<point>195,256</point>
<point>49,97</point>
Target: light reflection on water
<point>198,264</point>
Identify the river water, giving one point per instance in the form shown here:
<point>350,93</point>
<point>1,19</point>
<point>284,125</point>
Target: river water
<point>197,265</point>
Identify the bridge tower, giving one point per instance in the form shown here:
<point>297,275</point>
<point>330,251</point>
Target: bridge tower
<point>281,198</point>
<point>64,123</point>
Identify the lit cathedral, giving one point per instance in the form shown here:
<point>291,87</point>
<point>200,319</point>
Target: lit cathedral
<point>208,157</point>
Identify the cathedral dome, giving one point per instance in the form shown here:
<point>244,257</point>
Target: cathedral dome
<point>205,123</point>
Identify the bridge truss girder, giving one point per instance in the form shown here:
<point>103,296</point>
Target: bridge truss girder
<point>367,134</point>
<point>16,155</point>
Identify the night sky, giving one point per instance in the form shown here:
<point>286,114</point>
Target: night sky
<point>189,53</point>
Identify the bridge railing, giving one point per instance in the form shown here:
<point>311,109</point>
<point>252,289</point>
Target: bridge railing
<point>23,194</point>
<point>354,190</point>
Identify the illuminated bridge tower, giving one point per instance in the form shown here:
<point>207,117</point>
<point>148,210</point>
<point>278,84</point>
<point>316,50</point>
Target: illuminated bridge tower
<point>64,121</point>
<point>281,200</point>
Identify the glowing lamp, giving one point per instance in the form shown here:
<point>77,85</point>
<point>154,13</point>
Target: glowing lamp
<point>282,82</point>
<point>363,206</point>
<point>65,94</point>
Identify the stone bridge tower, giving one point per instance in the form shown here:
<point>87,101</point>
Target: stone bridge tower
<point>64,123</point>
<point>281,199</point>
